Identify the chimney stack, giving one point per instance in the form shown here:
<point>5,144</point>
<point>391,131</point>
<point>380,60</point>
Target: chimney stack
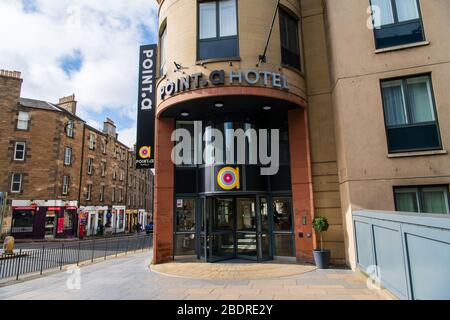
<point>68,103</point>
<point>109,127</point>
<point>10,85</point>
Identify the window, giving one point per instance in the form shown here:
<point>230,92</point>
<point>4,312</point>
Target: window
<point>410,114</point>
<point>19,151</point>
<point>185,227</point>
<point>290,48</point>
<point>90,166</point>
<point>104,147</point>
<point>68,156</point>
<point>91,141</point>
<point>121,175</point>
<point>89,192</point>
<point>283,227</point>
<point>65,186</point>
<point>102,193</point>
<point>427,199</point>
<point>69,219</point>
<point>23,221</point>
<point>114,174</point>
<point>217,29</point>
<point>69,128</point>
<point>113,194</point>
<point>23,120</point>
<point>103,168</point>
<point>120,194</point>
<point>163,53</point>
<point>396,22</point>
<point>16,183</point>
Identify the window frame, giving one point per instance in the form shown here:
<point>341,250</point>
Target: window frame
<point>70,128</point>
<point>24,144</point>
<point>217,37</point>
<point>89,192</point>
<point>289,14</point>
<point>91,141</point>
<point>162,67</point>
<point>20,182</point>
<point>90,166</point>
<point>397,23</point>
<point>66,156</point>
<point>65,185</point>
<point>407,101</point>
<point>23,121</point>
<point>419,190</point>
<point>102,193</point>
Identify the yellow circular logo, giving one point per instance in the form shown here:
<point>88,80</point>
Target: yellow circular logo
<point>145,152</point>
<point>228,178</point>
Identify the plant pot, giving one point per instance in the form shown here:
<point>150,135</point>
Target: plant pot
<point>322,258</point>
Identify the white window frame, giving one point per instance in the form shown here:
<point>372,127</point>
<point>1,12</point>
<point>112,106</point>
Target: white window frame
<point>102,193</point>
<point>91,141</point>
<point>24,122</point>
<point>70,128</point>
<point>20,175</point>
<point>103,168</point>
<point>67,156</point>
<point>23,152</point>
<point>65,186</point>
<point>89,192</point>
<point>90,167</point>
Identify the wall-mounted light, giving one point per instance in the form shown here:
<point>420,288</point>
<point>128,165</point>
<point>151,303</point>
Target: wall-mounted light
<point>185,114</point>
<point>267,108</point>
<point>218,105</point>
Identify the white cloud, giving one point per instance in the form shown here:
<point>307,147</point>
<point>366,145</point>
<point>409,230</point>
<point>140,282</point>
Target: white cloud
<point>128,136</point>
<point>107,34</point>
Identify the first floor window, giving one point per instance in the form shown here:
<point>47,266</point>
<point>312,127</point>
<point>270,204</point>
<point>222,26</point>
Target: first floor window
<point>410,114</point>
<point>16,183</point>
<point>68,156</point>
<point>396,22</point>
<point>65,188</point>
<point>23,120</point>
<point>89,192</point>
<point>217,30</point>
<point>120,194</point>
<point>102,193</point>
<point>290,48</point>
<point>103,168</point>
<point>19,151</point>
<point>113,194</point>
<point>427,199</point>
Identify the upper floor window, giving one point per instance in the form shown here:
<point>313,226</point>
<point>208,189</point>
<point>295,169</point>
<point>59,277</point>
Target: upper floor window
<point>91,141</point>
<point>102,193</point>
<point>69,128</point>
<point>103,168</point>
<point>65,186</point>
<point>290,47</point>
<point>396,22</point>
<point>217,29</point>
<point>68,156</point>
<point>16,183</point>
<point>162,52</point>
<point>104,146</point>
<point>89,192</point>
<point>90,166</point>
<point>410,114</point>
<point>426,199</point>
<point>22,120</point>
<point>19,151</point>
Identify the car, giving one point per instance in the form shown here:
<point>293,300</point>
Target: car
<point>149,228</point>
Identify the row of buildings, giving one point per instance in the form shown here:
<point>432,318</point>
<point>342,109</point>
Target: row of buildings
<point>363,119</point>
<point>61,173</point>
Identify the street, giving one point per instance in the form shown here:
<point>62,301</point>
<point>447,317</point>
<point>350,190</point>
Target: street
<point>130,278</point>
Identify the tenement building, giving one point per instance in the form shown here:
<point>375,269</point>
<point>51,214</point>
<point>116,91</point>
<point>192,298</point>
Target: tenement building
<point>353,97</point>
<point>58,171</point>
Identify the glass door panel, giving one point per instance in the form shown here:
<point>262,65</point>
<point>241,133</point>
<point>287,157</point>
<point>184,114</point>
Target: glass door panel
<point>220,240</point>
<point>263,230</point>
<point>246,226</point>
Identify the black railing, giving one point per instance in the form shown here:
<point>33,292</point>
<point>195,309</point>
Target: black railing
<point>57,255</point>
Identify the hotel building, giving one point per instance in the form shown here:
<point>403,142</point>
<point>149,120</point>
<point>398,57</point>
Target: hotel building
<point>358,92</point>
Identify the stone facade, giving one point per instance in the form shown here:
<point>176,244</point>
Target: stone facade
<point>59,148</point>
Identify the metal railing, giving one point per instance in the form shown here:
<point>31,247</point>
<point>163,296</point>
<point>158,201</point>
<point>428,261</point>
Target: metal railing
<point>57,255</point>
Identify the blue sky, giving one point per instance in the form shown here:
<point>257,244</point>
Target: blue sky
<point>86,47</point>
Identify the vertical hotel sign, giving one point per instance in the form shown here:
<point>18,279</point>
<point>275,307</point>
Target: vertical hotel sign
<point>145,140</point>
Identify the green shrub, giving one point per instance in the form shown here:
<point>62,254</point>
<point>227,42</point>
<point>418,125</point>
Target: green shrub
<point>320,225</point>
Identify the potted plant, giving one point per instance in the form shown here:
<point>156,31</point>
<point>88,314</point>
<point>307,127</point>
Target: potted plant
<point>322,256</point>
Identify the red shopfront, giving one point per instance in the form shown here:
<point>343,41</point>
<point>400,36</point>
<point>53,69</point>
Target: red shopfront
<point>44,222</point>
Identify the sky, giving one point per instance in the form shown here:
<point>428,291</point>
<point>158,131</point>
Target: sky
<point>86,47</point>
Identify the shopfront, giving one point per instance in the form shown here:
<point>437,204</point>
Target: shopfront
<point>43,219</point>
<point>97,218</point>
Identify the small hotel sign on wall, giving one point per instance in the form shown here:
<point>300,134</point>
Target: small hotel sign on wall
<point>218,78</point>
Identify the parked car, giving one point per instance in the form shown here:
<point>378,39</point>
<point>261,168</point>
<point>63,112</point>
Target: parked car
<point>149,228</point>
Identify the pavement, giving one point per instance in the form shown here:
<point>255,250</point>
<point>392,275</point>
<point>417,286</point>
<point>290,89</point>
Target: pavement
<point>131,278</point>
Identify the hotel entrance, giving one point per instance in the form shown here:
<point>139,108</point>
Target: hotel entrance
<point>235,227</point>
